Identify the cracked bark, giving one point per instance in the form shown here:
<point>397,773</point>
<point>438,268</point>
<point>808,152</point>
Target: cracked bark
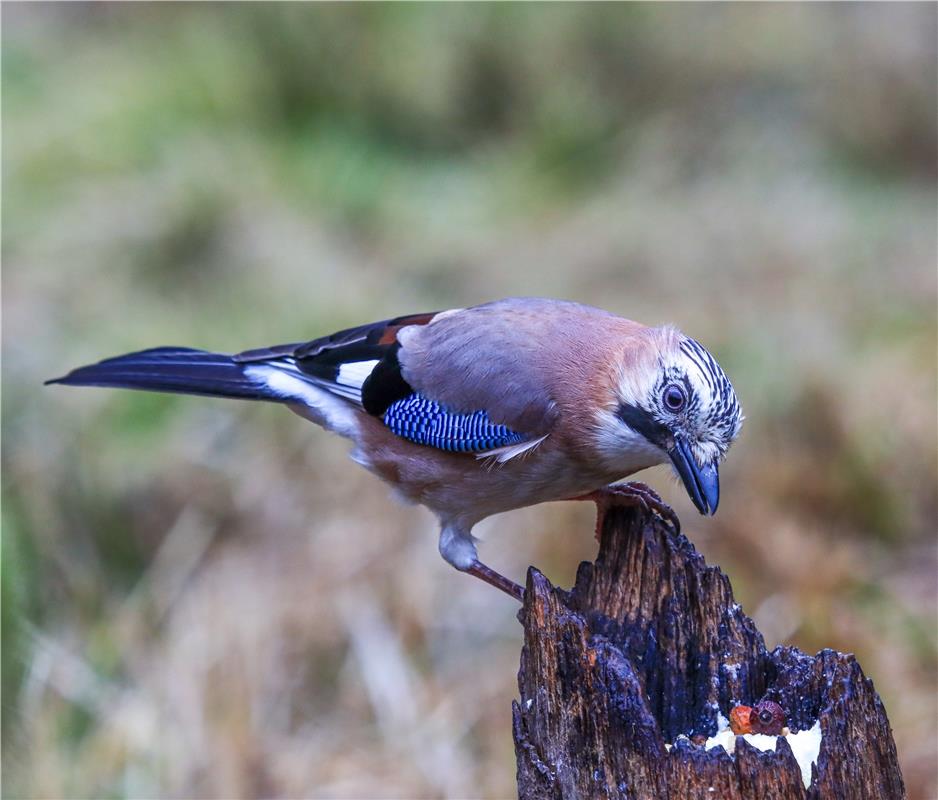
<point>650,645</point>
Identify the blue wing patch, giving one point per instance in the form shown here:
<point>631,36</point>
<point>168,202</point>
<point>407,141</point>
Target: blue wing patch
<point>423,421</point>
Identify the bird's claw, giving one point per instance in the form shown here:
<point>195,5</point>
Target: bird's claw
<point>634,494</point>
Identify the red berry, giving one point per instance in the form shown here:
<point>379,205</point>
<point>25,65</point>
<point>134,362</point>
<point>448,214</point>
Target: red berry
<point>767,717</point>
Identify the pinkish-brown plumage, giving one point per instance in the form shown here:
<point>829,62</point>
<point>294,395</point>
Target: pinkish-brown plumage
<point>476,411</point>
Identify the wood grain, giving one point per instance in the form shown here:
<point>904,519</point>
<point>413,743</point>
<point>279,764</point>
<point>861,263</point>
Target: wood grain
<point>647,647</point>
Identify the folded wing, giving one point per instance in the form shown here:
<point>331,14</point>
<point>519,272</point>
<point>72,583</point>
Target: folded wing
<point>463,381</point>
<point>469,398</point>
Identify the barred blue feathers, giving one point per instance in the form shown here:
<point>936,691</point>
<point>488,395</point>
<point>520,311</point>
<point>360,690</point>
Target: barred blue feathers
<point>423,421</point>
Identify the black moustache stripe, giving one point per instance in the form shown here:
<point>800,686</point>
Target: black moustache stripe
<point>642,421</point>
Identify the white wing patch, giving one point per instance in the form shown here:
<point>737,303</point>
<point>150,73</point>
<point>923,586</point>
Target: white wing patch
<point>352,393</point>
<point>329,411</point>
<point>355,373</point>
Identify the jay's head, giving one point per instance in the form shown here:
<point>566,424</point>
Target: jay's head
<point>673,402</point>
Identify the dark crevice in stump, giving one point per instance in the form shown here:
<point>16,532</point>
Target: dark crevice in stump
<point>650,646</point>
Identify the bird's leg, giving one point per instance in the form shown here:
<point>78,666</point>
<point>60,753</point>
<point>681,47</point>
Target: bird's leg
<point>496,579</point>
<point>458,548</point>
<point>631,494</point>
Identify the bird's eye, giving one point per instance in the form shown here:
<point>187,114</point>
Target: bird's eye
<point>674,397</point>
<point>765,716</point>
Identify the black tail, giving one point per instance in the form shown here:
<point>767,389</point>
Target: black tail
<point>173,369</point>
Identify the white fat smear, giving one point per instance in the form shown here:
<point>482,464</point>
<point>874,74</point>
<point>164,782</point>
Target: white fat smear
<point>805,745</point>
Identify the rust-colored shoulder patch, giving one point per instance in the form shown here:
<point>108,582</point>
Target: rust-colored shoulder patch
<point>389,336</point>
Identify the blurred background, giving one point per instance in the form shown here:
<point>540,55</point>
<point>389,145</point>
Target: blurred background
<point>203,598</point>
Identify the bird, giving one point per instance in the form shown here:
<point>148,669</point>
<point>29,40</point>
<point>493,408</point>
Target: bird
<point>475,411</point>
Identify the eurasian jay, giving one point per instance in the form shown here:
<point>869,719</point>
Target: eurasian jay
<point>476,411</point>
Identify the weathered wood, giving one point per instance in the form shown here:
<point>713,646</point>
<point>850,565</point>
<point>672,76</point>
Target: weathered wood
<point>648,647</point>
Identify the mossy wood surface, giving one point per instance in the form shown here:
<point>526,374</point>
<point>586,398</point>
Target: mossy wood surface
<point>649,645</point>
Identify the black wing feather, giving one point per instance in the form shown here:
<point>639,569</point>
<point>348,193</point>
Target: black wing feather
<point>322,358</point>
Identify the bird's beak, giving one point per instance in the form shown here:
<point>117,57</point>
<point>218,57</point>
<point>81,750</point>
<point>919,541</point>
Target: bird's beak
<point>702,482</point>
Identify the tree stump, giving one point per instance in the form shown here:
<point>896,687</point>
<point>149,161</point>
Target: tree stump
<point>645,650</point>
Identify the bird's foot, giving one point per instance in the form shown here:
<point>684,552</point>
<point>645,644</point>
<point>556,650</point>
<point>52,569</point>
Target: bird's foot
<point>632,494</point>
<point>496,579</point>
